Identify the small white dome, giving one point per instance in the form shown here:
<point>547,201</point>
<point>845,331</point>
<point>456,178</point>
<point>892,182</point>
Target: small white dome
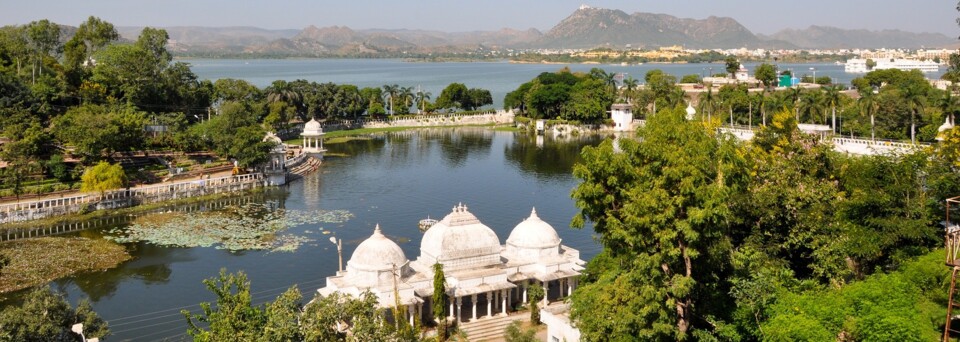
<point>533,233</point>
<point>945,126</point>
<point>377,253</point>
<point>312,128</point>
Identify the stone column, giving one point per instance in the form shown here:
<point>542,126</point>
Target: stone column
<point>525,291</point>
<point>546,292</point>
<point>473,304</point>
<point>489,302</point>
<point>459,303</point>
<point>410,313</point>
<point>503,304</point>
<point>453,314</point>
<point>570,282</point>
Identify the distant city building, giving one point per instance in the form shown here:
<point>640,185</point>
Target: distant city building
<point>859,65</point>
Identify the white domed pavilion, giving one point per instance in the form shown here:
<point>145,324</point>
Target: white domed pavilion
<point>312,137</point>
<point>483,277</point>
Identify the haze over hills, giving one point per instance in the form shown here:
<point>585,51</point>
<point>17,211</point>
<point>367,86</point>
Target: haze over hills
<point>825,37</point>
<point>585,28</point>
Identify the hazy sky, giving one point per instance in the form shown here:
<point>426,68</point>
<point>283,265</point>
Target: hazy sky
<point>455,15</point>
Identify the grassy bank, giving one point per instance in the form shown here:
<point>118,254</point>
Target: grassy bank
<point>38,261</point>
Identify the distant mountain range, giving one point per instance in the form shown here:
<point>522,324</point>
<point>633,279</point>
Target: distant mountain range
<point>585,28</point>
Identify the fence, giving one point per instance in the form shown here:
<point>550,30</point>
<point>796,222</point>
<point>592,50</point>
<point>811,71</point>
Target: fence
<point>33,210</point>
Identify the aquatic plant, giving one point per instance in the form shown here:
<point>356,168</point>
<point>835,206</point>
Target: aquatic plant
<point>246,227</point>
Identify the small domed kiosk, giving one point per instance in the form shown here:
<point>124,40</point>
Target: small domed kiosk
<point>275,168</point>
<point>313,138</point>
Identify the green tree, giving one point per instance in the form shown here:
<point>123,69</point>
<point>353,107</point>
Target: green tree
<point>691,78</point>
<point>44,38</point>
<point>766,74</point>
<point>96,130</point>
<point>915,97</point>
<point>731,65</point>
<point>440,301</point>
<point>47,316</point>
<point>516,333</point>
<point>235,318</point>
<point>535,294</point>
<point>454,96</point>
<point>102,177</point>
<point>659,208</point>
<point>478,98</point>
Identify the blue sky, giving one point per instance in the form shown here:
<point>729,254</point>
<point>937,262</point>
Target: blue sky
<point>456,15</point>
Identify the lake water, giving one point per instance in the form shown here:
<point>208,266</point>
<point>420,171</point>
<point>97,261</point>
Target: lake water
<point>391,179</point>
<point>498,77</point>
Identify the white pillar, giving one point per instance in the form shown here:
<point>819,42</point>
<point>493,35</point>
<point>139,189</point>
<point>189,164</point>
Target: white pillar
<point>459,311</point>
<point>525,291</point>
<point>570,286</point>
<point>473,304</point>
<point>503,301</point>
<point>546,292</point>
<point>453,314</point>
<point>489,301</point>
<point>410,313</point>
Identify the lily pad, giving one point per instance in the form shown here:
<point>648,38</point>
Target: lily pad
<point>246,227</point>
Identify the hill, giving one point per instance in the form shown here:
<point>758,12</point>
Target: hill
<point>598,27</point>
<point>826,37</point>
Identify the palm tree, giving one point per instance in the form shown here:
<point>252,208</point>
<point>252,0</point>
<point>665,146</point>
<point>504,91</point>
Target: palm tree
<point>758,99</point>
<point>915,98</point>
<point>283,91</point>
<point>676,97</point>
<point>422,97</point>
<point>795,94</point>
<point>774,102</point>
<point>407,97</point>
<point>629,85</point>
<point>708,103</point>
<point>867,104</point>
<point>832,95</point>
<point>389,94</point>
<point>947,104</point>
<point>810,104</point>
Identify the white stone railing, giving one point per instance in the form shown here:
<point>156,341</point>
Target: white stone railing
<point>37,209</point>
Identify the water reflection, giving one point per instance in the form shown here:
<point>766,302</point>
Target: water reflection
<point>151,267</point>
<point>548,157</point>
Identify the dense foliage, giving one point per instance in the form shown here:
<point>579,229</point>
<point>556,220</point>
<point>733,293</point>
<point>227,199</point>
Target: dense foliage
<point>776,239</point>
<point>47,316</point>
<point>332,318</point>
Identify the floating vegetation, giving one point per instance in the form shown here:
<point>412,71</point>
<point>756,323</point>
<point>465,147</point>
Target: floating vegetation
<point>247,227</point>
<point>38,261</point>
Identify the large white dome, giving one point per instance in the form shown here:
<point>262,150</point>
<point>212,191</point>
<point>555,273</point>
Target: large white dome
<point>460,239</point>
<point>377,253</point>
<point>533,233</point>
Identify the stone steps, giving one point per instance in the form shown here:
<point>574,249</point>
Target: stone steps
<point>491,329</point>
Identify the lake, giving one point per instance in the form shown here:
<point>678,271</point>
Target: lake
<point>391,179</point>
<point>498,77</point>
